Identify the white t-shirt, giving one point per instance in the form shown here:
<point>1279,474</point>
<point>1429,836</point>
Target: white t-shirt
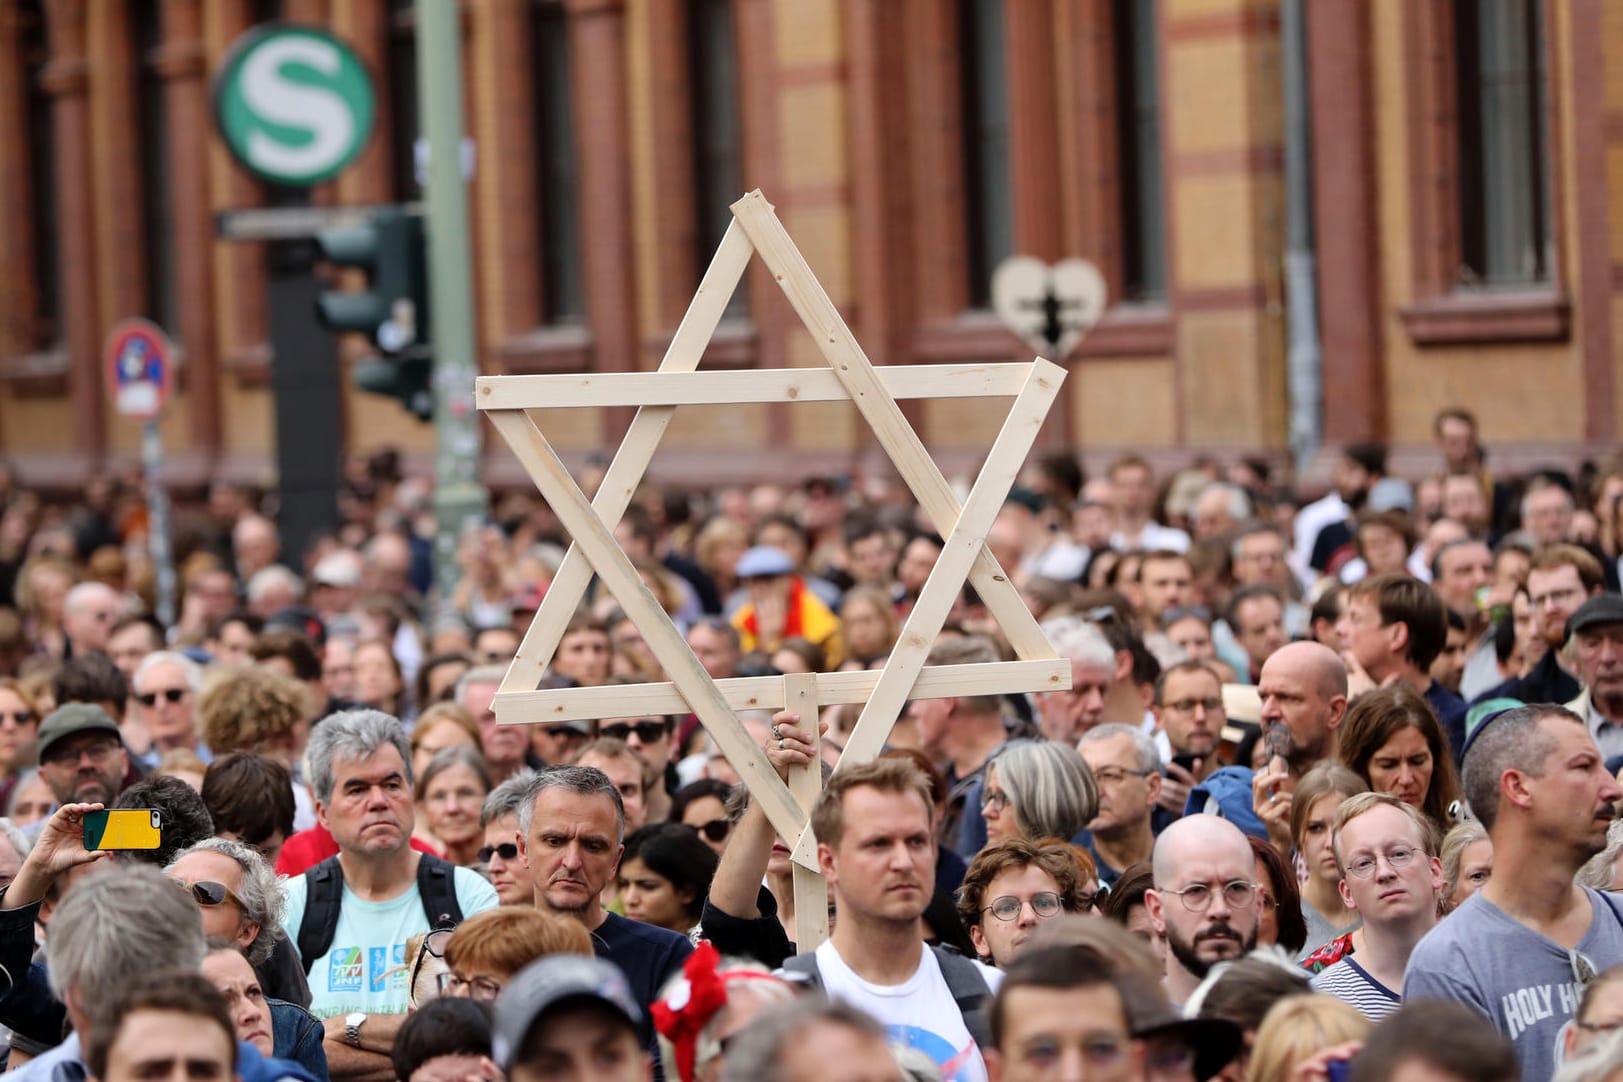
<point>365,969</point>
<point>920,1012</point>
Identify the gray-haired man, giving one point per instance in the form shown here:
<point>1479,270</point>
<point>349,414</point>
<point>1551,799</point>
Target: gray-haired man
<point>351,915</point>
<point>242,905</point>
<point>1127,766</point>
<point>571,836</point>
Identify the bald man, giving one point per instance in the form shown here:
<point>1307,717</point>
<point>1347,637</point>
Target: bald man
<point>88,614</point>
<point>1303,686</point>
<point>1204,901</point>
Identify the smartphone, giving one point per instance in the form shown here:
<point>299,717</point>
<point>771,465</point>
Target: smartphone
<point>124,828</point>
<point>1187,761</point>
<point>1279,741</point>
<point>1339,1070</point>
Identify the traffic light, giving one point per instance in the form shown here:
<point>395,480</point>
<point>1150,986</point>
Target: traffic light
<point>392,311</point>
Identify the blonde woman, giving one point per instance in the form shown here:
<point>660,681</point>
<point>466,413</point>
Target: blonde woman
<point>1467,856</point>
<point>1302,1028</point>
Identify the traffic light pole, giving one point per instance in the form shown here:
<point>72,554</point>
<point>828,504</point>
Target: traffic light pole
<point>459,495</point>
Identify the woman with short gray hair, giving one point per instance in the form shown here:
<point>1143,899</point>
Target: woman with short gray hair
<point>1036,789</point>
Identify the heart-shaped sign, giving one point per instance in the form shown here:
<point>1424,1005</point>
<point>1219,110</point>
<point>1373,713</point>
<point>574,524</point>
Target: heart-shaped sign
<point>1049,307</point>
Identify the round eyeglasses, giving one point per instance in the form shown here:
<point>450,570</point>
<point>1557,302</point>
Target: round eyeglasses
<point>1197,897</point>
<point>1045,903</point>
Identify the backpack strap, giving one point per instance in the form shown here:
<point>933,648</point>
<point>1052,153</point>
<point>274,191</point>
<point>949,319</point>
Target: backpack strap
<point>323,896</point>
<point>969,991</point>
<point>436,886</point>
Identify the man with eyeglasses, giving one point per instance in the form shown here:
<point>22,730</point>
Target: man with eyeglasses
<point>1012,886</point>
<point>1559,580</point>
<point>1391,877</point>
<point>1127,766</point>
<point>1188,707</point>
<point>1204,902</point>
<point>80,755</point>
<point>1521,949</point>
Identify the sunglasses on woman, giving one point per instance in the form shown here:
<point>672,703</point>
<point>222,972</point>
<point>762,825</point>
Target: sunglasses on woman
<point>715,830</point>
<point>208,894</point>
<point>506,850</point>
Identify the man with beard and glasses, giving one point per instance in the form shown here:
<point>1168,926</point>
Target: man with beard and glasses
<point>80,754</point>
<point>1560,579</point>
<point>1521,949</point>
<point>570,837</point>
<point>1205,899</point>
<point>351,915</point>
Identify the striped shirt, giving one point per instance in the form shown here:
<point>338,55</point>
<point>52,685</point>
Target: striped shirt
<point>1351,983</point>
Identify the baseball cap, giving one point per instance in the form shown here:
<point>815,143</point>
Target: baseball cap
<point>336,570</point>
<point>763,561</point>
<point>70,718</point>
<point>528,599</point>
<point>1604,608</point>
<point>1391,494</point>
<point>1025,497</point>
<point>299,618</point>
<point>546,984</point>
<point>1213,1042</point>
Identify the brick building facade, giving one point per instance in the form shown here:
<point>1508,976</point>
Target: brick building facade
<point>1464,154</point>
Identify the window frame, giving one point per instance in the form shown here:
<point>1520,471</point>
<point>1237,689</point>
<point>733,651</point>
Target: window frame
<point>1445,310</point>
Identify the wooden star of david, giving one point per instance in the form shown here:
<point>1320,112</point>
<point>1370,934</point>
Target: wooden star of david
<point>850,376</point>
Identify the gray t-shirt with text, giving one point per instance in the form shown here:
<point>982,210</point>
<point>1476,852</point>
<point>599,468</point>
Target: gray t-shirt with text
<point>1522,981</point>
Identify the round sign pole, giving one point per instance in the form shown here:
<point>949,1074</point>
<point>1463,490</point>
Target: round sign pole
<point>140,364</point>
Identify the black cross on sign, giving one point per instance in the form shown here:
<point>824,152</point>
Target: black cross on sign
<point>1051,305</point>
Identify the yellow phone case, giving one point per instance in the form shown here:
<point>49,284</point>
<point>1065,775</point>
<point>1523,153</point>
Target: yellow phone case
<point>122,828</point>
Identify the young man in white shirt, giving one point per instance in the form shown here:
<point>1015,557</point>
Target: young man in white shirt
<point>876,847</point>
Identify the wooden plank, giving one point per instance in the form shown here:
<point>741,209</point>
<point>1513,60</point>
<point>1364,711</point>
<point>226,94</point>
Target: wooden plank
<point>596,542</point>
<point>766,692</point>
<point>845,356</point>
<point>685,388</point>
<point>806,782</point>
<point>935,601</point>
<point>568,587</point>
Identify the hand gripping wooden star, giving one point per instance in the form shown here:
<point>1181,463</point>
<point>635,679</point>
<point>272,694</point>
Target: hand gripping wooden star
<point>850,377</point>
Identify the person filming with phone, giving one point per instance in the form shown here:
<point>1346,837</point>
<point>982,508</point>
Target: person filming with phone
<point>1303,687</point>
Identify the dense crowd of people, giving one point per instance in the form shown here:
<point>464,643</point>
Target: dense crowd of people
<point>1331,796</point>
